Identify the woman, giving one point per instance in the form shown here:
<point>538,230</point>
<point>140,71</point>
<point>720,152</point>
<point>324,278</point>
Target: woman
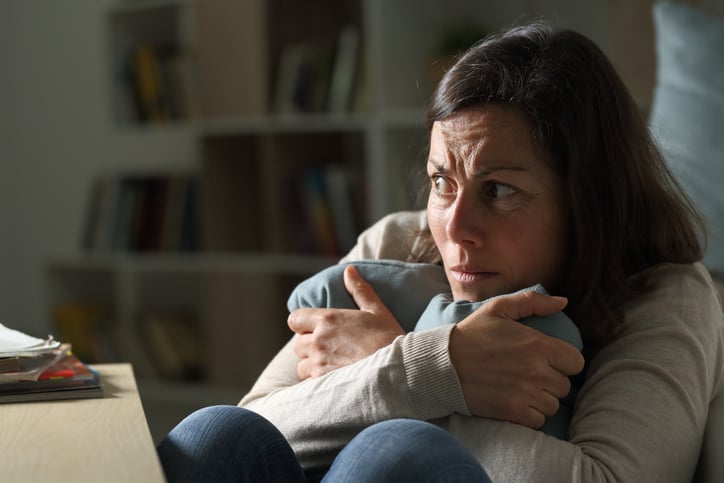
<point>541,171</point>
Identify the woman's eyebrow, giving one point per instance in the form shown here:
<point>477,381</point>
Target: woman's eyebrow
<point>488,170</point>
<point>482,172</point>
<point>440,167</point>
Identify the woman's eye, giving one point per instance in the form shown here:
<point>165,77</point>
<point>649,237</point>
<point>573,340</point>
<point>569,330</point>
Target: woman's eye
<point>441,185</point>
<point>499,190</point>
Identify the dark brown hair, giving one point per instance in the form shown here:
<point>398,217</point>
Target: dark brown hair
<point>627,211</point>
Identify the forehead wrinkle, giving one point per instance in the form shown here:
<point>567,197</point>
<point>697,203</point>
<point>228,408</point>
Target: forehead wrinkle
<point>460,151</point>
<point>466,137</point>
<point>462,142</point>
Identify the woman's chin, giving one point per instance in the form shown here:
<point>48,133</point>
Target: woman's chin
<point>477,292</point>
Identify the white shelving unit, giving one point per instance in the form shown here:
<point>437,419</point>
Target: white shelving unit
<point>236,286</point>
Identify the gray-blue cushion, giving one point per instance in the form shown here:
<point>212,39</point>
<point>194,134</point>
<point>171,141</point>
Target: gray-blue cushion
<point>418,295</point>
<point>404,288</point>
<point>687,116</point>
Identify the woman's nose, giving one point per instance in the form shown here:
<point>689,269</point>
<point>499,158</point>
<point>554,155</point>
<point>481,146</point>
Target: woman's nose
<point>465,221</point>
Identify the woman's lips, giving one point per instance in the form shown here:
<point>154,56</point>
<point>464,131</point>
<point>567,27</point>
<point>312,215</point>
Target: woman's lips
<point>466,276</point>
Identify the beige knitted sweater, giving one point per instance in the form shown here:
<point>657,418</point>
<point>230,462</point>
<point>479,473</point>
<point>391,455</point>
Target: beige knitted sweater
<point>639,416</point>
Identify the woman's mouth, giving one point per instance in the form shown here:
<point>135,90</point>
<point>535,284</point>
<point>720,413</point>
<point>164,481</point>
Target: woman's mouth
<point>467,277</point>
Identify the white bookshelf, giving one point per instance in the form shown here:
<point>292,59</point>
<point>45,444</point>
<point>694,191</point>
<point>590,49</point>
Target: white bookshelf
<point>380,140</point>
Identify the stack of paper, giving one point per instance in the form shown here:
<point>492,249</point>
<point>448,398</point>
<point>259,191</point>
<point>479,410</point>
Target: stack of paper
<point>34,369</point>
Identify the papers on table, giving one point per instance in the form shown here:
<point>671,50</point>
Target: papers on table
<point>39,369</point>
<point>24,357</point>
<point>14,343</point>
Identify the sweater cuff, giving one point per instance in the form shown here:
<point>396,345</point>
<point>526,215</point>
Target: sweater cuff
<point>431,377</point>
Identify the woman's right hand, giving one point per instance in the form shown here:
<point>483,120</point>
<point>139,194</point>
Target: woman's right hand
<point>507,370</point>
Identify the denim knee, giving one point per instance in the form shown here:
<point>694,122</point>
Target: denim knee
<point>227,443</point>
<point>402,450</point>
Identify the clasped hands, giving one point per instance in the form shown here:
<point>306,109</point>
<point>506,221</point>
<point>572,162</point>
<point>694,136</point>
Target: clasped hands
<point>506,370</point>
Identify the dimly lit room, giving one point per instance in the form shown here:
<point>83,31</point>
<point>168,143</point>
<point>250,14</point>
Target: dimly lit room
<point>172,171</point>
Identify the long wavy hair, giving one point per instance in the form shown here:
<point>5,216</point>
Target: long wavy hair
<point>627,211</point>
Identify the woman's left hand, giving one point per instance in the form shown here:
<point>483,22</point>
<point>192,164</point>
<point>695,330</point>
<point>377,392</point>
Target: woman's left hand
<point>333,338</point>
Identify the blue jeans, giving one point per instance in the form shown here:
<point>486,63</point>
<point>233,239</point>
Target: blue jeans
<point>225,444</point>
<point>228,443</point>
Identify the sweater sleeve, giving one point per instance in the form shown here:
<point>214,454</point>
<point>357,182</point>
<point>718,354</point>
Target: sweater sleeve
<point>641,413</point>
<point>411,378</point>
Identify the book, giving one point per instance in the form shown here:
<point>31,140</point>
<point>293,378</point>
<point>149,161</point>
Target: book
<point>189,241</point>
<point>142,213</point>
<point>322,216</point>
<point>90,237</point>
<point>344,70</point>
<point>126,211</point>
<point>318,213</point>
<point>158,81</point>
<point>337,184</point>
<point>148,84</point>
<point>26,367</point>
<point>67,378</point>
<point>174,216</point>
<point>53,395</point>
<point>289,85</point>
<point>103,204</point>
<point>24,357</point>
<point>68,371</point>
<point>303,78</point>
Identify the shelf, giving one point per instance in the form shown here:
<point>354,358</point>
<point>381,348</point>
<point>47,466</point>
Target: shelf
<point>285,123</point>
<point>282,123</point>
<point>184,127</point>
<point>137,6</point>
<point>238,262</point>
<point>311,122</point>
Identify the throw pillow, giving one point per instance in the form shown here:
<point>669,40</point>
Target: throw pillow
<point>687,116</point>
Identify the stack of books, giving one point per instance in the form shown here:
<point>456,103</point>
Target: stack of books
<point>33,369</point>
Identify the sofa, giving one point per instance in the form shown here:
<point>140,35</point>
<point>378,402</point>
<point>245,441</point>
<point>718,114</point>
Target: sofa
<point>687,120</point>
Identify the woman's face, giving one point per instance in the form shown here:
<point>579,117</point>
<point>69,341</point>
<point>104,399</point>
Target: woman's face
<point>496,208</point>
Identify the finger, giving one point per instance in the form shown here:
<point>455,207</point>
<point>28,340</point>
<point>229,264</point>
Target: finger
<point>311,368</point>
<point>304,369</point>
<point>537,410</point>
<point>532,418</point>
<point>525,304</point>
<point>564,357</point>
<point>301,346</point>
<point>548,379</point>
<point>546,404</point>
<point>559,385</point>
<point>362,292</point>
<point>302,321</point>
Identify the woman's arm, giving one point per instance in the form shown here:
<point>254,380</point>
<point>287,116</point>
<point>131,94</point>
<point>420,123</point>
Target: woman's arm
<point>508,371</point>
<point>641,412</point>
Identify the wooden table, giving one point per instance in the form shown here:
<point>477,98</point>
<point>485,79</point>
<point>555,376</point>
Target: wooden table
<point>82,440</point>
